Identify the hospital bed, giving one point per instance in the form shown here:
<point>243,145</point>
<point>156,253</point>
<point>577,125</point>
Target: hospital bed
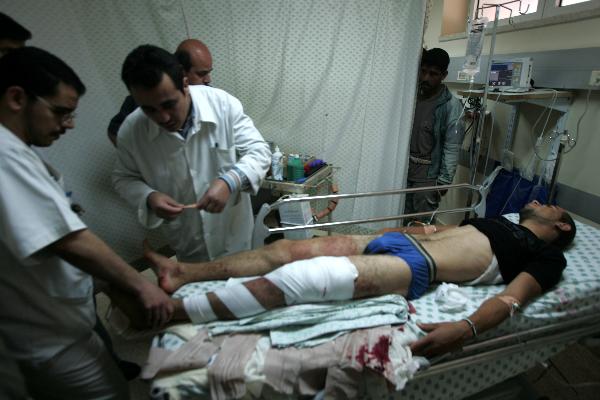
<point>542,329</point>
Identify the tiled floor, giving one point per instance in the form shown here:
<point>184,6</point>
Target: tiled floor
<point>572,374</point>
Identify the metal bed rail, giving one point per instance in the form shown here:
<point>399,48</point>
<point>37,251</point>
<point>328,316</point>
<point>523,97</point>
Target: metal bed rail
<point>261,231</point>
<point>491,349</point>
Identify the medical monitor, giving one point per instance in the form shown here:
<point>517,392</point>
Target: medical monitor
<point>510,74</point>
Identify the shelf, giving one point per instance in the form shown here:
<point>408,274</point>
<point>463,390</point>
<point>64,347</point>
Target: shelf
<point>311,183</point>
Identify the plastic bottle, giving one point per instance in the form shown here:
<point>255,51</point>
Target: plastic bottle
<point>298,168</point>
<point>277,165</point>
<point>472,62</point>
<point>295,167</point>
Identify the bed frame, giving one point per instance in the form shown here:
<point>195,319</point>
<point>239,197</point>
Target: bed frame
<point>541,342</point>
<point>262,231</point>
<point>513,353</point>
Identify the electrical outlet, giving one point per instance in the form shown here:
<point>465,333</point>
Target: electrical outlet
<point>595,78</point>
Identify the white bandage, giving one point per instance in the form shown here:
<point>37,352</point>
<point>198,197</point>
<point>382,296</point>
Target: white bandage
<point>316,279</point>
<point>239,300</point>
<point>198,309</point>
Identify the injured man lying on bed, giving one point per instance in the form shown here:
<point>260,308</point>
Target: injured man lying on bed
<point>526,256</point>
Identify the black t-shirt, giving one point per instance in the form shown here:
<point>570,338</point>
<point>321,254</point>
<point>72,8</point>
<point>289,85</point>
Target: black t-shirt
<point>517,250</point>
<point>127,108</point>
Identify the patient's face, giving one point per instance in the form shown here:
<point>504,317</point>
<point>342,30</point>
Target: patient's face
<point>541,212</point>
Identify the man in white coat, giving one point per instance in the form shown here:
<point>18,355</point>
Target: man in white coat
<point>188,158</point>
<point>47,253</point>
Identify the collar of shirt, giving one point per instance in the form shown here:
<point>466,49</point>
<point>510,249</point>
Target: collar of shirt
<point>189,122</point>
<point>201,112</point>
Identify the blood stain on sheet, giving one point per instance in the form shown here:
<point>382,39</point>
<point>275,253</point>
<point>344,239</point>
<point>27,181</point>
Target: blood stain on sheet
<point>377,357</point>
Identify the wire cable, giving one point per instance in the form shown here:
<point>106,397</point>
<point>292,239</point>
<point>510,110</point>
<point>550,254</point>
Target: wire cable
<point>576,138</point>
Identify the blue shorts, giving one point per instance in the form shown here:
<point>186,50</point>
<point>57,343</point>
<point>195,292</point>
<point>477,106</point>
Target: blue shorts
<point>422,266</point>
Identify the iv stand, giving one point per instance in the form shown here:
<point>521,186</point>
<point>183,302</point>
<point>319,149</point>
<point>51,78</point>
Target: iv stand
<point>481,112</point>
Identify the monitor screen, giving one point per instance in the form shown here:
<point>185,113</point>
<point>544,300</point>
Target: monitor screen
<point>505,74</point>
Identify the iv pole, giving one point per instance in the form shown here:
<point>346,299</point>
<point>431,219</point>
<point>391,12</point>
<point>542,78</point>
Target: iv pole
<point>481,111</point>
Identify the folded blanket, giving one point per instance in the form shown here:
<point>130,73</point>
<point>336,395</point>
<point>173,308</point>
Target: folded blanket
<point>296,325</point>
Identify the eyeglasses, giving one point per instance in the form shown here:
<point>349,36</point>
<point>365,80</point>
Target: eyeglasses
<point>64,114</point>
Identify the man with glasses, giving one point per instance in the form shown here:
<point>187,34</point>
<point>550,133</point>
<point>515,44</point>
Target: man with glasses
<point>196,60</point>
<point>47,252</point>
<point>437,134</point>
<point>188,158</point>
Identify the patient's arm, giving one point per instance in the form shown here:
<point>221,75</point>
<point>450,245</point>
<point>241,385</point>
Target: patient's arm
<point>419,231</point>
<point>448,336</point>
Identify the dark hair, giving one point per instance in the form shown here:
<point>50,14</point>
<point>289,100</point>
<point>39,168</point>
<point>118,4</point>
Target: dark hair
<point>12,30</point>
<point>145,66</point>
<point>436,58</point>
<point>565,238</point>
<point>37,72</point>
<point>183,56</point>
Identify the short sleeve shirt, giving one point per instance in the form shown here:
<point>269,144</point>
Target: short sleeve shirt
<point>46,302</point>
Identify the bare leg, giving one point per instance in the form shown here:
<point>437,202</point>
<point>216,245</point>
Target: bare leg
<point>377,275</point>
<point>172,274</point>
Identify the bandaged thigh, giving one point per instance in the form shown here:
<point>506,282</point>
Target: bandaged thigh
<point>315,280</point>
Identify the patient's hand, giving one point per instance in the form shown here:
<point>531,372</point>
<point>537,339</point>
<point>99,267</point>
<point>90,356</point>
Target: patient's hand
<point>441,338</point>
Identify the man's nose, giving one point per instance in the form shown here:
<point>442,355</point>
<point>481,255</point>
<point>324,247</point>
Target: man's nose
<point>163,116</point>
<point>68,124</point>
<point>207,79</point>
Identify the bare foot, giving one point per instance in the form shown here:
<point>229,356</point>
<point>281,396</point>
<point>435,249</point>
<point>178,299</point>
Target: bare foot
<point>169,272</point>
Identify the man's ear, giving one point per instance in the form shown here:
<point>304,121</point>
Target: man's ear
<point>563,226</point>
<point>444,75</point>
<point>186,82</point>
<point>16,98</point>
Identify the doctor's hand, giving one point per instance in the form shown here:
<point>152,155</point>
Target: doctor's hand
<point>158,306</point>
<point>215,198</point>
<point>164,206</point>
<point>441,338</point>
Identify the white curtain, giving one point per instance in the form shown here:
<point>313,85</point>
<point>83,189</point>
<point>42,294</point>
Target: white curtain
<point>330,78</point>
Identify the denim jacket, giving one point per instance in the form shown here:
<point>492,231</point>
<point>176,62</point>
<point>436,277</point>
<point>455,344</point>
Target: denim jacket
<point>448,134</point>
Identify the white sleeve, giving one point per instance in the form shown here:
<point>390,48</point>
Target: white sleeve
<point>34,210</point>
<point>127,181</point>
<point>254,151</point>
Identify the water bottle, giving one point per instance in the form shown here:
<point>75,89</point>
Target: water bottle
<point>276,165</point>
<point>295,167</point>
<point>291,159</point>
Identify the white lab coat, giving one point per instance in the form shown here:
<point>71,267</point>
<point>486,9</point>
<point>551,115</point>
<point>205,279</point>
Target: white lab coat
<point>47,303</point>
<point>153,159</point>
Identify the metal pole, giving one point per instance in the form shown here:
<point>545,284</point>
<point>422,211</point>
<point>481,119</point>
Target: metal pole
<point>481,117</point>
<point>561,146</point>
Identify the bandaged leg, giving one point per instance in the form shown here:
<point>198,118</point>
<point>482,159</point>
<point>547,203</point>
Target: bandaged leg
<point>315,280</point>
<point>237,298</point>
